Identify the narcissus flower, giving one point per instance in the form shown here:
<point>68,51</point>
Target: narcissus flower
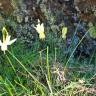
<point>64,32</point>
<point>40,29</point>
<point>6,40</point>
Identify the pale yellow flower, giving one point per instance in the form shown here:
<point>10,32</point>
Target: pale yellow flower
<point>40,29</point>
<point>64,32</point>
<point>6,41</point>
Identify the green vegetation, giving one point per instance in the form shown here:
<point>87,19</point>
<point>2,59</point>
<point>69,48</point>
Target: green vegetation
<point>55,49</point>
<point>46,71</point>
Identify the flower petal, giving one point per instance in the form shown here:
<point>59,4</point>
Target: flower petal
<point>12,41</point>
<point>0,43</point>
<point>8,39</point>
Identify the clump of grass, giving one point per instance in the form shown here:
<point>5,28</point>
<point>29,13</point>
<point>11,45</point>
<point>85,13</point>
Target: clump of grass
<point>39,78</point>
<point>42,73</point>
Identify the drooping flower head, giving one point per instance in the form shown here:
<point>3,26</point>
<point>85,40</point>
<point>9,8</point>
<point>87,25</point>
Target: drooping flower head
<point>64,32</point>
